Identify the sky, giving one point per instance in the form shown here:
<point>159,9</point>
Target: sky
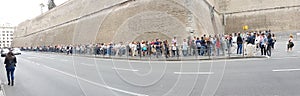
<point>17,11</point>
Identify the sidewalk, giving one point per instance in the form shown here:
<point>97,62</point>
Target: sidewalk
<point>188,58</point>
<point>162,58</point>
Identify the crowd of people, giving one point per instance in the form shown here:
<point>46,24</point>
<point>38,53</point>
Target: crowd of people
<point>241,43</point>
<point>245,43</point>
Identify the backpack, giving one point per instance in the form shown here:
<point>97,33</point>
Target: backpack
<point>11,63</point>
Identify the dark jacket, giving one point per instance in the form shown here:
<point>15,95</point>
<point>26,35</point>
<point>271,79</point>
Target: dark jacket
<point>10,62</point>
<point>239,40</point>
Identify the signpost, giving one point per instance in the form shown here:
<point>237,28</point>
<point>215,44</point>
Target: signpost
<point>245,27</point>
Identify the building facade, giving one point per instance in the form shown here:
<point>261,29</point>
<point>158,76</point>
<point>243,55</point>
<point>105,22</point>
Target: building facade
<point>6,35</point>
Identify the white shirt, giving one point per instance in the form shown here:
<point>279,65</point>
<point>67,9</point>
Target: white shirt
<point>174,41</point>
<point>234,39</point>
<point>174,47</point>
<point>184,45</point>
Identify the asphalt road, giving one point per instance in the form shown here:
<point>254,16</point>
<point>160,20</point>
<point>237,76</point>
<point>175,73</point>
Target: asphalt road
<point>39,74</point>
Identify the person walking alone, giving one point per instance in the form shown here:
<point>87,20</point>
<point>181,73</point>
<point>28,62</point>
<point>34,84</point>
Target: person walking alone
<point>10,64</point>
<point>290,43</point>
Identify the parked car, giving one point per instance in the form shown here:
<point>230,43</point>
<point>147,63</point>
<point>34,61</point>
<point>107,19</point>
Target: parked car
<point>4,51</point>
<point>16,51</point>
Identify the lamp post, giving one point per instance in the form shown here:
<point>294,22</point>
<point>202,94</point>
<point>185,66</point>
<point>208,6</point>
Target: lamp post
<point>42,5</point>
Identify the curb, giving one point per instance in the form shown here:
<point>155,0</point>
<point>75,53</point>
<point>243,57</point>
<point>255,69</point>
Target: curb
<point>175,59</point>
<point>1,89</point>
<point>164,59</point>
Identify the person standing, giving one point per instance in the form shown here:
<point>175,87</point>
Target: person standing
<point>174,40</point>
<point>157,45</point>
<point>166,46</point>
<point>274,40</point>
<point>290,44</point>
<point>263,44</point>
<point>218,46</point>
<point>269,44</point>
<point>174,50</point>
<point>10,64</point>
<point>184,47</point>
<point>239,42</point>
<point>198,44</point>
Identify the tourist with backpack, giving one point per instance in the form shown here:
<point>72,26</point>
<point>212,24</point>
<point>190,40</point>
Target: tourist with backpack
<point>10,64</point>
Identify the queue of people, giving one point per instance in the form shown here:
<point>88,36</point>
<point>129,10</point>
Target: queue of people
<point>243,43</point>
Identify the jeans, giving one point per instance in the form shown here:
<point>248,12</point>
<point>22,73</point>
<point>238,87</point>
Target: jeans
<point>263,50</point>
<point>269,47</point>
<point>202,50</point>
<point>218,52</point>
<point>198,50</point>
<point>184,52</point>
<point>10,74</point>
<point>239,49</point>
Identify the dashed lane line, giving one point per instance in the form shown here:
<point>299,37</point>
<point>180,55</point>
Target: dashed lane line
<point>285,70</point>
<point>194,73</point>
<point>124,69</point>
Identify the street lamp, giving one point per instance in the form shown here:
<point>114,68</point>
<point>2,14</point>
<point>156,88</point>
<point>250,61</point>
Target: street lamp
<point>42,5</point>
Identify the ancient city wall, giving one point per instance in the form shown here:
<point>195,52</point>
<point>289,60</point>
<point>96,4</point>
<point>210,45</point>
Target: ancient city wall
<point>97,21</point>
<point>276,15</point>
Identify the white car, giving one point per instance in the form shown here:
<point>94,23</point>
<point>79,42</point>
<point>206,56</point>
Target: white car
<point>4,52</point>
<point>16,51</point>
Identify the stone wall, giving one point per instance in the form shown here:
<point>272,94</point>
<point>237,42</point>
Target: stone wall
<point>278,20</point>
<point>276,15</point>
<point>97,21</point>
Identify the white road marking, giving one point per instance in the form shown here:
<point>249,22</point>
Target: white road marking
<point>285,70</point>
<point>124,69</point>
<point>280,58</point>
<point>91,82</point>
<point>194,73</point>
<point>64,60</point>
<point>87,64</point>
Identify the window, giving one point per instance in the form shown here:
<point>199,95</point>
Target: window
<point>7,31</point>
<point>7,34</point>
<point>11,34</point>
<point>3,34</point>
<point>7,41</point>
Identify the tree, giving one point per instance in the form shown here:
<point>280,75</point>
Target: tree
<point>51,4</point>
